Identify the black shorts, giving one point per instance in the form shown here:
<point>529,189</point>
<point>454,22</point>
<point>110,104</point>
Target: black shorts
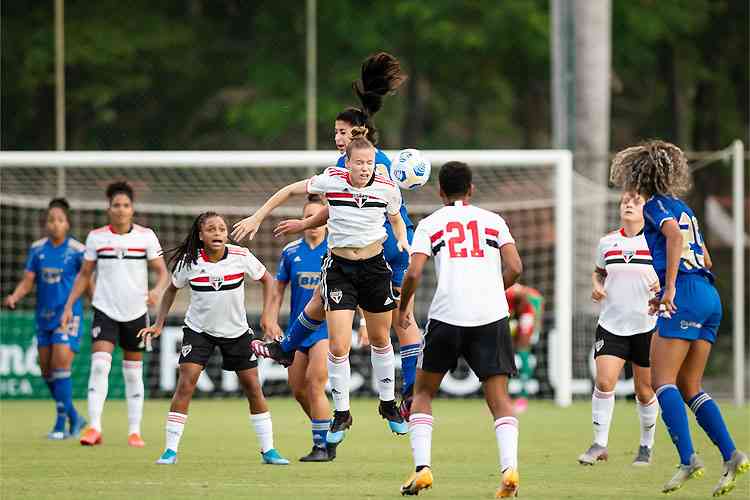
<point>633,348</point>
<point>346,284</point>
<point>122,333</point>
<point>236,354</point>
<point>487,349</point>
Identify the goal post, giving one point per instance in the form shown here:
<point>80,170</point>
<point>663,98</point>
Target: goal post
<point>532,189</point>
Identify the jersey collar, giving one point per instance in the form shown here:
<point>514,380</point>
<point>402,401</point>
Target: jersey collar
<point>622,232</point>
<point>112,230</point>
<point>203,255</point>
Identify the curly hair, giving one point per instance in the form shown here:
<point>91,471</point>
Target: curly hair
<point>652,167</point>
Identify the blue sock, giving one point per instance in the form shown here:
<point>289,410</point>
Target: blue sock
<point>50,385</point>
<point>675,418</point>
<point>320,431</point>
<point>59,401</point>
<point>709,417</point>
<point>409,354</point>
<point>64,393</point>
<point>301,328</point>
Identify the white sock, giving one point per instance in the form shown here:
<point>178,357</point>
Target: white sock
<point>101,363</point>
<point>602,407</point>
<point>506,432</point>
<point>175,425</point>
<point>420,436</point>
<point>263,429</point>
<point>648,414</point>
<point>339,374</point>
<point>383,365</point>
<point>132,372</point>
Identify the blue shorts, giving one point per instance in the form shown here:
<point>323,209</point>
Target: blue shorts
<point>70,337</point>
<point>698,310</point>
<point>320,334</point>
<point>399,261</point>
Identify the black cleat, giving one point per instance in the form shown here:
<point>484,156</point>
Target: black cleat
<point>331,449</point>
<point>273,350</point>
<point>317,454</point>
<point>389,411</point>
<point>342,420</point>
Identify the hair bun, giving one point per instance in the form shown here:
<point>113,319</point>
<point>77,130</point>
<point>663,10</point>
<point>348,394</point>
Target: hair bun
<point>358,132</point>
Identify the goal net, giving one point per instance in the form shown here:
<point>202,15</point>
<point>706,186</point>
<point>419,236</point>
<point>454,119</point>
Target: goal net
<point>532,190</point>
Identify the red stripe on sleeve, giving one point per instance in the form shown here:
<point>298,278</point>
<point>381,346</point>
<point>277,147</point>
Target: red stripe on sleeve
<point>436,236</point>
<point>233,276</point>
<point>492,232</point>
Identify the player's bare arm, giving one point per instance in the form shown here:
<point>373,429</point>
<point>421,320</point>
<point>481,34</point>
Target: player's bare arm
<point>24,287</point>
<point>295,226</point>
<point>249,226</point>
<point>707,263</point>
<point>158,266</point>
<point>399,231</point>
<point>597,284</point>
<point>671,231</point>
<point>411,281</point>
<point>79,286</point>
<point>512,266</point>
<point>268,323</point>
<point>165,305</point>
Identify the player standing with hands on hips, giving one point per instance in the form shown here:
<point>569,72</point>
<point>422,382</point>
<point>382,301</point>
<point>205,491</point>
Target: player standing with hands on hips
<point>475,260</point>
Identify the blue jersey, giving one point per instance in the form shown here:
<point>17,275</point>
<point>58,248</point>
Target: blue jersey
<point>383,167</point>
<point>658,210</point>
<point>300,265</point>
<point>56,269</point>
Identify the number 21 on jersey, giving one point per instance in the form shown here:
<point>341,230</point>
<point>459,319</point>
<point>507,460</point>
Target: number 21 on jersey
<point>457,245</point>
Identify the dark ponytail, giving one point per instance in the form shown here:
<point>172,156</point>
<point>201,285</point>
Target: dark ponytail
<point>381,75</point>
<point>187,253</point>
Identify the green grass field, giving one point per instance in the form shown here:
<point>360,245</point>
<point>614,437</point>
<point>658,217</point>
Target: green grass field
<point>219,459</point>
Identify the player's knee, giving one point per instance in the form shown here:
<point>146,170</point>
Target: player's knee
<point>605,383</point>
<point>338,349</point>
<point>688,388</point>
<point>300,394</point>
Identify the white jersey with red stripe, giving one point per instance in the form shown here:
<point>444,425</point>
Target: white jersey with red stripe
<point>627,262</point>
<point>122,270</point>
<point>356,215</point>
<point>217,291</point>
<point>465,241</point>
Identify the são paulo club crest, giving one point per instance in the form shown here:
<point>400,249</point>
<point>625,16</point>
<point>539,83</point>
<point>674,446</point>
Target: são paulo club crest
<point>359,199</point>
<point>627,255</point>
<point>186,348</point>
<point>120,252</point>
<point>336,295</point>
<point>216,281</point>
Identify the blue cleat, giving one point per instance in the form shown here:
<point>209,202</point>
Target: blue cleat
<point>342,420</point>
<point>77,425</point>
<point>272,457</point>
<point>169,457</point>
<point>55,435</point>
<point>396,423</point>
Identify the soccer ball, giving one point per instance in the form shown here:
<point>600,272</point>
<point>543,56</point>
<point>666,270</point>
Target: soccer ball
<point>410,169</point>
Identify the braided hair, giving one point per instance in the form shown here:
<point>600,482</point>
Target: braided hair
<point>650,168</point>
<point>186,254</point>
<point>381,75</point>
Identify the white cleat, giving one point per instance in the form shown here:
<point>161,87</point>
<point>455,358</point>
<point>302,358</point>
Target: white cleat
<point>595,453</point>
<point>738,464</point>
<point>684,472</point>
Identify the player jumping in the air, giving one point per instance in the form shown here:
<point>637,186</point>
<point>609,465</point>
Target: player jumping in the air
<point>355,272</point>
<point>623,282</point>
<point>475,259</point>
<point>215,272</point>
<point>300,266</point>
<point>381,75</point>
<point>525,305</point>
<point>689,306</point>
<point>52,264</point>
<point>121,252</point>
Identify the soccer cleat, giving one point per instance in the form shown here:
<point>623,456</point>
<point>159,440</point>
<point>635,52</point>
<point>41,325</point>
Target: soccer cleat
<point>389,411</point>
<point>510,484</point>
<point>684,472</point>
<point>342,420</point>
<point>77,425</point>
<point>91,437</point>
<point>331,450</point>
<point>736,465</point>
<point>272,457</point>
<point>57,435</point>
<point>273,350</point>
<point>136,441</point>
<point>417,481</point>
<point>643,457</point>
<point>594,453</point>
<point>169,457</point>
<point>317,454</point>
